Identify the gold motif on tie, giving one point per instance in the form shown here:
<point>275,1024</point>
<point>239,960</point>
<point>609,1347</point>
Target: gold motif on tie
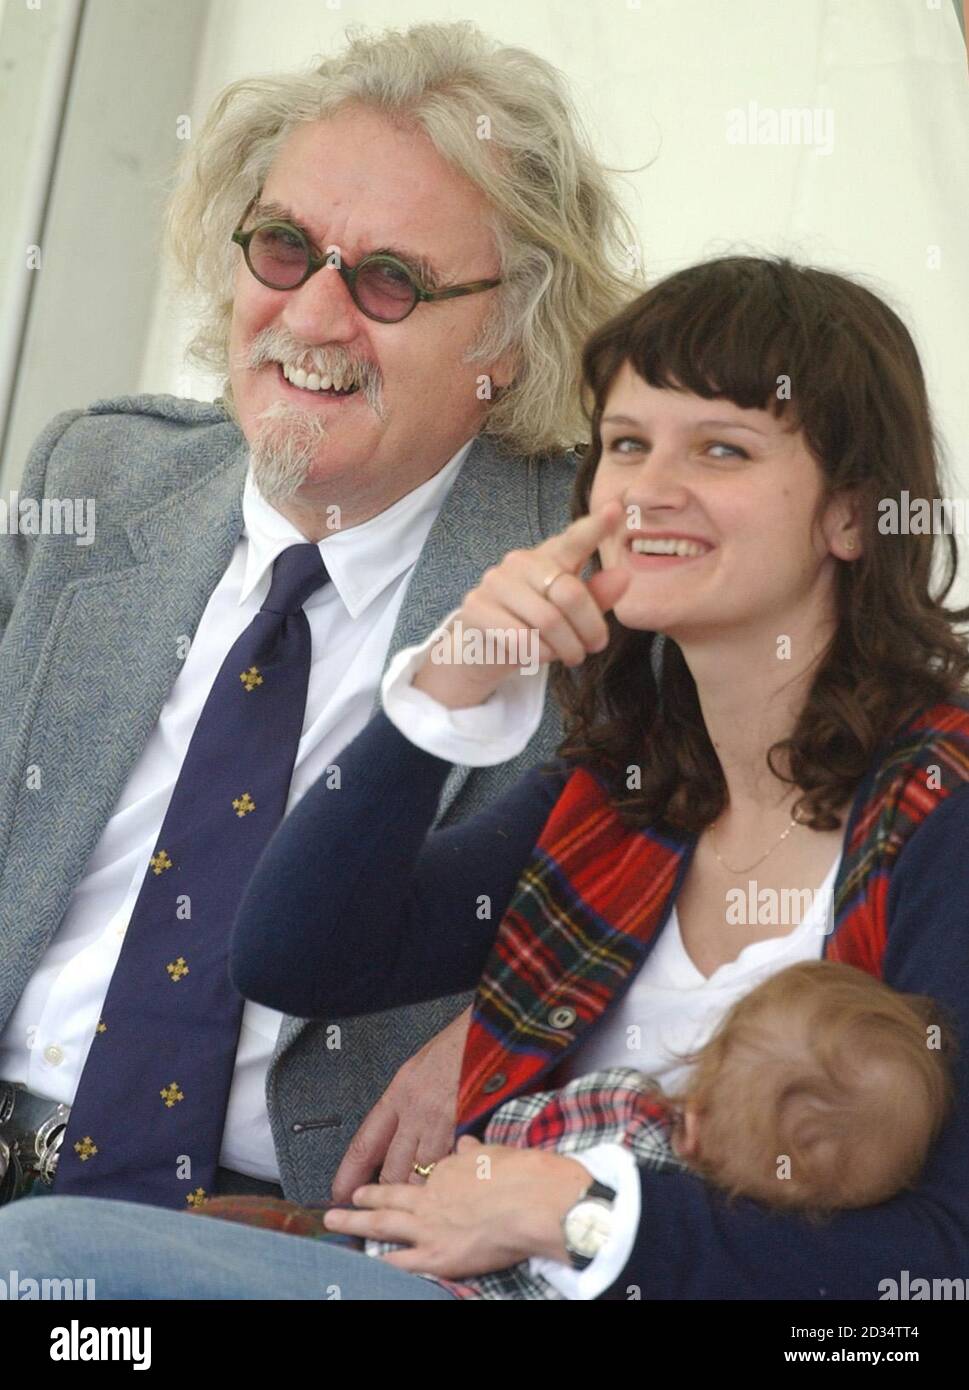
<point>102,1026</point>
<point>86,1148</point>
<point>251,678</point>
<point>171,1094</point>
<point>160,861</point>
<point>196,1198</point>
<point>177,968</point>
<point>243,805</point>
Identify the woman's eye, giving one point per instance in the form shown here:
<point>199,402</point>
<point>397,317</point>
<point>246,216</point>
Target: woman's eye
<point>614,448</point>
<point>731,448</point>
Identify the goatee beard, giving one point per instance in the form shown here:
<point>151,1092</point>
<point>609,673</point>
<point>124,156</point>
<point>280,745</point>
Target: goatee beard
<point>287,441</point>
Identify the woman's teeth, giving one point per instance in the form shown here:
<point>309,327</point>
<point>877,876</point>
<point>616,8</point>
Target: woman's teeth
<point>311,381</point>
<point>642,545</point>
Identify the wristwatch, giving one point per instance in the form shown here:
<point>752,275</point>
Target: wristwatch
<point>587,1224</point>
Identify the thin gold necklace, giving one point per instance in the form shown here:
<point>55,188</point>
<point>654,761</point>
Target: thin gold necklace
<point>729,867</point>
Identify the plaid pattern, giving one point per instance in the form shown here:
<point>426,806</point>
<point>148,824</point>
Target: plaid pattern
<point>590,900</point>
<point>269,1214</point>
<point>618,1105</point>
<point>924,764</point>
<point>594,894</point>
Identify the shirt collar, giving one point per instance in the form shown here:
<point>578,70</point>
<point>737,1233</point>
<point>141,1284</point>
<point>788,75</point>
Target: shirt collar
<point>361,560</point>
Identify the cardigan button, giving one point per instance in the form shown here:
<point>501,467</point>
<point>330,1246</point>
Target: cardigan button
<point>562,1017</point>
<point>494,1083</point>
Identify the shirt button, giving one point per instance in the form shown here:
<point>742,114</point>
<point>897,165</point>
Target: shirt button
<point>494,1083</point>
<point>54,1055</point>
<point>562,1017</point>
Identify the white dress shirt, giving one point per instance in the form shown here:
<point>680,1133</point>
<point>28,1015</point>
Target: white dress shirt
<point>46,1040</point>
<point>670,1007</point>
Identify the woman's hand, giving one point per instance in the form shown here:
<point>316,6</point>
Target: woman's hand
<point>485,1207</point>
<point>537,596</point>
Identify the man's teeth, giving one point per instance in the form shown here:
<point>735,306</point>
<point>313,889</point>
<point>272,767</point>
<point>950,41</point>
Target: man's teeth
<point>312,381</point>
<point>644,545</point>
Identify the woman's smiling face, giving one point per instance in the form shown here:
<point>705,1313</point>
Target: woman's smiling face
<point>736,493</point>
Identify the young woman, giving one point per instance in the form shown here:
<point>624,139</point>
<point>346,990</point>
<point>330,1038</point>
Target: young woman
<point>801,727</point>
<point>764,702</point>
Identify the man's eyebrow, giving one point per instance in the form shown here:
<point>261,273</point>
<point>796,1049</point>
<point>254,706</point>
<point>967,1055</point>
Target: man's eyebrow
<point>428,273</point>
<point>699,424</point>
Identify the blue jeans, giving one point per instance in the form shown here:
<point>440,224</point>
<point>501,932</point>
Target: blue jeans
<point>136,1251</point>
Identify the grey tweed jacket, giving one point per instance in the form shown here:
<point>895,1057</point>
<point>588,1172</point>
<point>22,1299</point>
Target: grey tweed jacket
<point>89,652</point>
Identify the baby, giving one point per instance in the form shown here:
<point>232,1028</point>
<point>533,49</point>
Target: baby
<point>822,1088</point>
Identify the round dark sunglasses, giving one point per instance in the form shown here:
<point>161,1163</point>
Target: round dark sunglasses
<point>280,256</point>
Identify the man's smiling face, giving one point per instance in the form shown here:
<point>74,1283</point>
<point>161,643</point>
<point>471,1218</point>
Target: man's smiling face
<point>359,183</point>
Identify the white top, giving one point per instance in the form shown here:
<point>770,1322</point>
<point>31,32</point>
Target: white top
<point>672,1007</point>
<point>45,1042</point>
<point>669,1007</point>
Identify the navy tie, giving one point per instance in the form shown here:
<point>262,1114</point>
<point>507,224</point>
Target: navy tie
<point>146,1123</point>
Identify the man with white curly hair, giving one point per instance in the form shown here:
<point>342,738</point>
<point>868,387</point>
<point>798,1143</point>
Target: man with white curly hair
<point>396,259</point>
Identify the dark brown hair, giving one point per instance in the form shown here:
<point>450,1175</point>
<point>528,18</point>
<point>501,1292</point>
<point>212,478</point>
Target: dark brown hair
<point>733,328</point>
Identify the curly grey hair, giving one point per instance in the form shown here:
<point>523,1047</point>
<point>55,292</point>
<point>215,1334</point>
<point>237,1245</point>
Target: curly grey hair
<point>567,251</point>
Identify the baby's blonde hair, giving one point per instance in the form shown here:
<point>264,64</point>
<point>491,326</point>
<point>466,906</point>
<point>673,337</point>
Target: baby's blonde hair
<point>821,1089</point>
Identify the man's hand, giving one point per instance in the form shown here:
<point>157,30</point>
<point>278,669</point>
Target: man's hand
<point>413,1122</point>
<point>483,1208</point>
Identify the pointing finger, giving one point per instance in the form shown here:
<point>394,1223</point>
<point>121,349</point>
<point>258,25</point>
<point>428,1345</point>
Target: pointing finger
<point>574,546</point>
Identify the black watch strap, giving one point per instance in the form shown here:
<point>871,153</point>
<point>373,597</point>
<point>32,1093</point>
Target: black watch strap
<point>596,1191</point>
<point>601,1191</point>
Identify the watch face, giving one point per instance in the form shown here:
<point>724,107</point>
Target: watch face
<point>587,1227</point>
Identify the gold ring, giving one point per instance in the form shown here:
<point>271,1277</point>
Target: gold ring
<point>547,583</point>
<point>424,1170</point>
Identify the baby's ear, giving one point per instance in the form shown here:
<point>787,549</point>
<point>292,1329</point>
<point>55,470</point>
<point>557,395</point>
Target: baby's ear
<point>688,1133</point>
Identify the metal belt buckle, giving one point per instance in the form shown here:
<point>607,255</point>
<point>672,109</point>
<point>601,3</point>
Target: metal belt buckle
<point>28,1155</point>
<point>11,1173</point>
<point>8,1098</point>
<point>47,1144</point>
